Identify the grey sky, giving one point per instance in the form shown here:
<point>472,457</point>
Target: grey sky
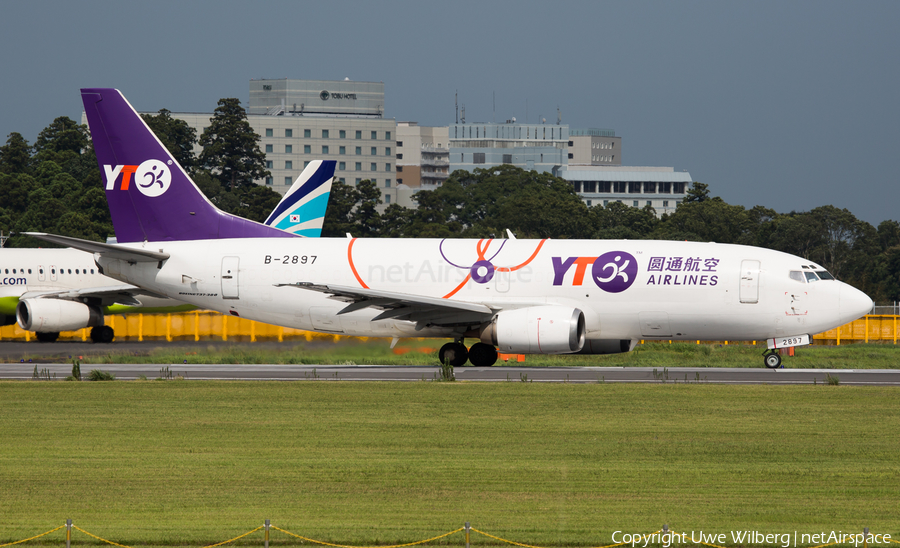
<point>790,105</point>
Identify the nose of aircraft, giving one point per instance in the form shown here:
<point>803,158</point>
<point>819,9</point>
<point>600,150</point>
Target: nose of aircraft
<point>853,303</point>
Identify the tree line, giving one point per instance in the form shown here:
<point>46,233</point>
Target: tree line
<point>55,186</point>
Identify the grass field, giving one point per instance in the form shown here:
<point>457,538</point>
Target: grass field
<point>185,463</point>
<point>424,352</point>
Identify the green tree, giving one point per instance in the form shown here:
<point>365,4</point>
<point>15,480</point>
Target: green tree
<point>699,192</point>
<point>63,134</point>
<point>231,147</point>
<point>176,135</point>
<point>15,155</point>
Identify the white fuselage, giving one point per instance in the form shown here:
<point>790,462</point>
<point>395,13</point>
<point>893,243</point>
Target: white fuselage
<point>636,290</point>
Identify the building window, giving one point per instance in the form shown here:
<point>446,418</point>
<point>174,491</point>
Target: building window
<point>324,149</point>
<point>577,185</point>
<point>359,134</point>
<point>289,133</point>
<point>374,135</point>
<point>306,163</point>
<point>571,155</point>
<point>589,203</point>
<point>399,143</point>
<point>307,149</point>
<point>373,167</point>
<point>649,187</point>
<point>307,133</point>
<point>288,181</point>
<point>634,187</point>
<point>677,188</point>
<point>342,150</point>
<point>619,186</point>
<point>342,180</point>
<point>387,198</point>
<point>342,165</point>
<point>358,180</point>
<point>399,181</point>
<point>590,186</point>
<point>605,203</point>
<point>268,164</point>
<point>358,166</point>
<point>387,135</point>
<point>387,167</point>
<point>288,164</point>
<point>478,158</point>
<point>358,151</point>
<point>387,183</point>
<point>269,132</point>
<point>399,169</point>
<point>507,158</point>
<point>635,203</point>
<point>374,151</point>
<point>269,181</point>
<point>399,156</point>
<point>387,151</point>
<point>342,134</point>
<point>269,148</point>
<point>288,149</point>
<point>324,133</point>
<point>665,203</point>
<point>649,203</point>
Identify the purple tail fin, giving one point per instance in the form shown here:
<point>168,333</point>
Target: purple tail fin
<point>149,194</point>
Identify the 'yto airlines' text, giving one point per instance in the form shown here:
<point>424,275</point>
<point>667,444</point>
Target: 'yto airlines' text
<point>152,178</point>
<point>616,271</point>
<point>683,271</point>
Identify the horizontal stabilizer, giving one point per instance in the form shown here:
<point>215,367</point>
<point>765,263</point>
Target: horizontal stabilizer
<point>112,251</point>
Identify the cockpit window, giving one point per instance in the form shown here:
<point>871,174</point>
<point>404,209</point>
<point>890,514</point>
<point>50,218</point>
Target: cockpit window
<point>824,275</point>
<point>797,275</point>
<point>811,277</point>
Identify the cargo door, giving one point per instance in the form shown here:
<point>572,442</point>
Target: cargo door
<point>230,277</point>
<point>749,282</point>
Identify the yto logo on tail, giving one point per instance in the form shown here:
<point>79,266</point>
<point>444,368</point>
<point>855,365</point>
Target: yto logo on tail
<point>152,178</point>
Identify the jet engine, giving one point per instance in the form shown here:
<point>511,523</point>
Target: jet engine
<point>53,315</point>
<point>536,330</point>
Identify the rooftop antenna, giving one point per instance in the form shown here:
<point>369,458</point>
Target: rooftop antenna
<point>456,105</point>
<point>462,118</point>
<point>558,115</point>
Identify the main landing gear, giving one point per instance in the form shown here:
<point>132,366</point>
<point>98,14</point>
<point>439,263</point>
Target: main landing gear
<point>456,354</point>
<point>102,334</point>
<point>772,359</point>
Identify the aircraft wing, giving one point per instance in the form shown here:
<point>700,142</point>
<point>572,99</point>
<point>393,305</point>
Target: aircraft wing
<point>115,294</point>
<point>425,311</point>
<point>113,251</point>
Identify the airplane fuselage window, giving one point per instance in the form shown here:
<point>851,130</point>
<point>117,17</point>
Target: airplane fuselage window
<point>811,277</point>
<point>797,275</point>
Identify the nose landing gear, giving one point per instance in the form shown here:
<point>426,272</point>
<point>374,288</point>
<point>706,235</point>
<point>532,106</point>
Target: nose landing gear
<point>772,359</point>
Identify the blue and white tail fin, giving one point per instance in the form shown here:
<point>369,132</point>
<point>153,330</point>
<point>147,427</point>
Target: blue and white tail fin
<point>150,196</point>
<point>302,210</point>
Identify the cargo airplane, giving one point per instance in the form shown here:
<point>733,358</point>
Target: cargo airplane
<point>521,296</point>
<point>53,290</point>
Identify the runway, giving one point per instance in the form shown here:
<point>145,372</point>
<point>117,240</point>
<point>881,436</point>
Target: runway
<point>694,375</point>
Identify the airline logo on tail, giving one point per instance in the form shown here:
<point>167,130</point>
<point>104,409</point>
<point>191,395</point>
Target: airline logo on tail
<point>152,178</point>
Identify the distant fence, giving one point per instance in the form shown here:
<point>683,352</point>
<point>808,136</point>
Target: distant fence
<point>662,537</point>
<point>207,325</point>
